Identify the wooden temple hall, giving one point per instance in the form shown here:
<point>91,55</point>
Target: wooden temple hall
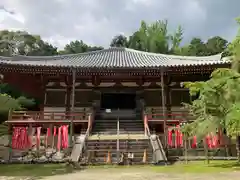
<point>114,100</point>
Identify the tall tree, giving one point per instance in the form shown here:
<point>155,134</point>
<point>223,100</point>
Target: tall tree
<point>176,39</point>
<point>155,37</point>
<point>139,39</point>
<point>119,41</point>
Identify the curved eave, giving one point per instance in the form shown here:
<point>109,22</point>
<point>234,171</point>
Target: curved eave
<point>3,64</point>
<point>113,58</point>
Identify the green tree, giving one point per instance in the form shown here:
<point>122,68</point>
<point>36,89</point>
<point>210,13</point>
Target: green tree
<point>23,43</point>
<point>78,47</point>
<point>233,47</point>
<point>217,105</point>
<point>11,98</point>
<point>218,102</point>
<point>216,45</point>
<point>119,41</point>
<point>155,37</point>
<point>197,47</point>
<point>8,103</point>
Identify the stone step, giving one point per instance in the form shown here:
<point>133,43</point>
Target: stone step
<point>120,128</point>
<point>114,132</point>
<point>123,126</point>
<point>136,161</point>
<point>126,126</point>
<point>121,137</point>
<point>125,142</point>
<point>104,129</point>
<point>115,128</point>
<point>138,154</point>
<point>103,126</point>
<point>105,133</point>
<point>122,142</point>
<point>121,148</point>
<point>99,148</point>
<point>115,120</point>
<point>115,124</point>
<point>120,120</point>
<point>114,146</point>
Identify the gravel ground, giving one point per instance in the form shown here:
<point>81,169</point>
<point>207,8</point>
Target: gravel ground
<point>130,174</point>
<point>127,174</point>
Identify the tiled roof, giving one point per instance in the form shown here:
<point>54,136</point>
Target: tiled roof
<point>113,58</point>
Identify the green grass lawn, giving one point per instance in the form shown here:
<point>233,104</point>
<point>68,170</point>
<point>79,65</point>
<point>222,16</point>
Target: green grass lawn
<point>34,170</point>
<point>200,167</point>
<point>40,170</point>
<point>182,167</point>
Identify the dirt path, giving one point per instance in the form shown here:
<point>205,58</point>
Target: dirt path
<point>125,174</point>
<point>133,174</point>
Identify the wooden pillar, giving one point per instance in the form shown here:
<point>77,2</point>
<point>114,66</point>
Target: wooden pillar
<point>68,94</point>
<point>43,93</point>
<point>163,94</point>
<point>168,100</point>
<point>72,104</point>
<point>10,142</point>
<point>30,133</point>
<point>50,137</point>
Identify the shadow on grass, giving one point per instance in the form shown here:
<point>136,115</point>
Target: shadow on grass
<point>34,170</point>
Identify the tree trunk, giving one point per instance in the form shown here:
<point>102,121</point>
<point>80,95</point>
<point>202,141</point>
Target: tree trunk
<point>238,147</point>
<point>186,148</point>
<point>206,152</point>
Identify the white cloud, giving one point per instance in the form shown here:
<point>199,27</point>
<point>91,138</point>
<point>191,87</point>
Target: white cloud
<point>97,21</point>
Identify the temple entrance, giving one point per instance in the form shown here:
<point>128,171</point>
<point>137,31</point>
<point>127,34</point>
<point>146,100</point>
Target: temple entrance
<point>118,101</point>
<point>118,106</point>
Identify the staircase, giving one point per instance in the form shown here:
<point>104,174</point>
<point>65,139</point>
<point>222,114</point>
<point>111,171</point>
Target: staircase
<point>126,126</point>
<point>99,150</point>
<point>107,122</point>
<point>106,140</point>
